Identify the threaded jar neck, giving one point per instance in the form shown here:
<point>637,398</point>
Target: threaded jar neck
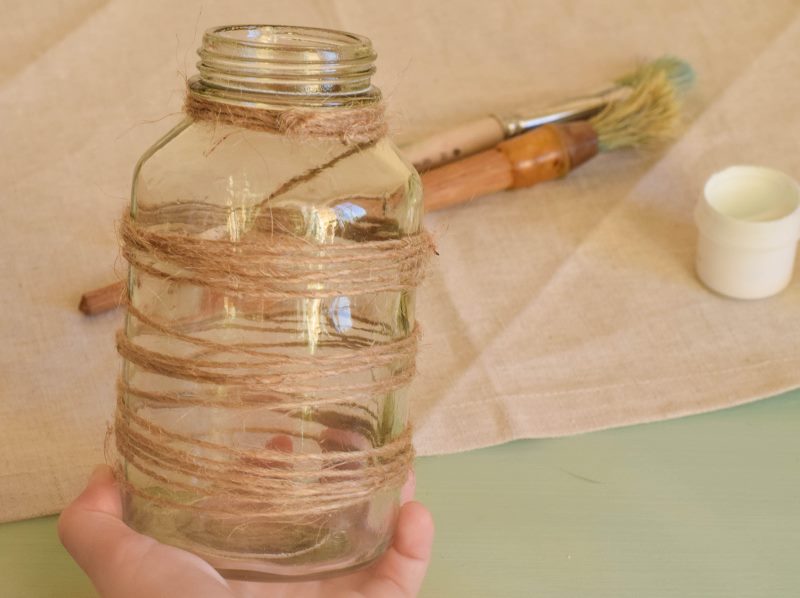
<point>282,66</point>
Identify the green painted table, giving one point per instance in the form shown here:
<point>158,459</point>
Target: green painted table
<point>707,506</point>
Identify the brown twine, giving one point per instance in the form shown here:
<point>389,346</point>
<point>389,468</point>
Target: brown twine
<point>231,490</point>
<point>363,124</point>
<point>283,373</point>
<point>265,483</point>
<point>232,487</point>
<point>290,267</point>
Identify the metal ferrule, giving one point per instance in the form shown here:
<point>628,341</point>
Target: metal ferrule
<point>579,108</point>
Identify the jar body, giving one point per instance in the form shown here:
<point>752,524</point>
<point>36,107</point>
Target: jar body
<point>218,181</point>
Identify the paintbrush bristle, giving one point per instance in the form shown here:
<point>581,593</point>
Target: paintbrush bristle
<point>679,72</point>
<point>651,113</point>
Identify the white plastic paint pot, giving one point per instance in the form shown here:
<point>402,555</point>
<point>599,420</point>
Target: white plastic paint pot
<point>749,225</point>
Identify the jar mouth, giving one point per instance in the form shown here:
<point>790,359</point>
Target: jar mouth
<point>284,65</point>
<point>286,43</point>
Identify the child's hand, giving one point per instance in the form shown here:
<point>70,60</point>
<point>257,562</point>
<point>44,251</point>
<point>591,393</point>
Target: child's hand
<point>124,564</point>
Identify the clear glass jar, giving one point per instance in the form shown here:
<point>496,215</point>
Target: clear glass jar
<point>218,181</point>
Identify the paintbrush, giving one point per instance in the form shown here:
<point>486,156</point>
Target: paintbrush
<point>650,113</point>
<point>483,133</point>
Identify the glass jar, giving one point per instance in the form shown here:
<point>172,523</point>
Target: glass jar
<point>225,182</point>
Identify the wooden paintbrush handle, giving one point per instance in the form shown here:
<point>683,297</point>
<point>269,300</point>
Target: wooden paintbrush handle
<point>455,183</point>
<point>546,153</point>
<point>456,143</point>
<point>549,152</point>
<point>103,299</point>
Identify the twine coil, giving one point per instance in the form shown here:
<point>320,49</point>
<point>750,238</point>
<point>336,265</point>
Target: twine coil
<point>266,484</point>
<point>232,488</point>
<point>360,125</point>
<point>291,268</point>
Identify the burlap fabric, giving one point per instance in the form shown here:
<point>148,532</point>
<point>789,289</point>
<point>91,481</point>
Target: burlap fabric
<point>556,310</point>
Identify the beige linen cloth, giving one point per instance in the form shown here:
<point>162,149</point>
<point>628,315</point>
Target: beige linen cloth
<point>555,310</point>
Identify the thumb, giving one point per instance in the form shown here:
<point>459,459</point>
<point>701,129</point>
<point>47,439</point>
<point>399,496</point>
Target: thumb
<point>122,563</point>
<point>99,509</point>
<point>400,571</point>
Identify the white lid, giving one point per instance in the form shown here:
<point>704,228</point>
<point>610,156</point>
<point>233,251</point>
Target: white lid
<point>749,221</point>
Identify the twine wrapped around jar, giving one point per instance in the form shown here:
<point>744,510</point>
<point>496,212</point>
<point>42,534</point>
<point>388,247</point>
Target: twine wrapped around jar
<point>364,124</point>
<point>238,490</point>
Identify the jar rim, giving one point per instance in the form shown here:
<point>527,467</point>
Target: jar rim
<point>283,66</point>
<point>287,44</point>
